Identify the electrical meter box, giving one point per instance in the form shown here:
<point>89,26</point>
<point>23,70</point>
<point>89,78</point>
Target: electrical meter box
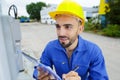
<point>10,45</point>
<point>12,39</point>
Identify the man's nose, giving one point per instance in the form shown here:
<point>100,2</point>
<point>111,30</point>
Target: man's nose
<point>61,32</point>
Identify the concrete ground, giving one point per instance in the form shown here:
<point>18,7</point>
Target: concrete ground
<point>35,36</point>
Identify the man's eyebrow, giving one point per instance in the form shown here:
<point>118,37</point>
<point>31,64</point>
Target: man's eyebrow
<point>64,25</point>
<point>67,25</point>
<point>56,24</point>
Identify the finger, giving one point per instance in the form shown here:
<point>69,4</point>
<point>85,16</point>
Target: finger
<point>73,78</point>
<point>63,76</point>
<point>43,75</point>
<point>45,78</point>
<point>40,71</point>
<point>72,73</point>
<point>51,77</point>
<point>39,68</point>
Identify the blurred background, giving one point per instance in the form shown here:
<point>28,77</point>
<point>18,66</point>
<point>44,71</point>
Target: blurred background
<point>23,23</point>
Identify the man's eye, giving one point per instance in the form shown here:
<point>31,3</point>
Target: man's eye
<point>68,26</point>
<point>57,26</point>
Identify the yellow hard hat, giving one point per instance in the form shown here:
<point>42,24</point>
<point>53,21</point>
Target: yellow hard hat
<point>69,7</point>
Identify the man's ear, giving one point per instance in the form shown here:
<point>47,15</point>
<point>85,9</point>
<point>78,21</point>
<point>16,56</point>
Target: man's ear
<point>81,28</point>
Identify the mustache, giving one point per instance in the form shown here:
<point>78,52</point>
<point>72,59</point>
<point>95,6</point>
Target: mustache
<point>62,37</point>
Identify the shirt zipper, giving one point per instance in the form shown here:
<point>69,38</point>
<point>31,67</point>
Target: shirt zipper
<point>69,62</point>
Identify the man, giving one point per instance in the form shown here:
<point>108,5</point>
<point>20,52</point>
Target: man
<point>70,50</point>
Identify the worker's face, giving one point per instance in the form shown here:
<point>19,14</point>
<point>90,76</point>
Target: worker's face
<point>68,29</point>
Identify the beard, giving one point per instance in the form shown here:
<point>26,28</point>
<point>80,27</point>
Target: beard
<point>66,45</point>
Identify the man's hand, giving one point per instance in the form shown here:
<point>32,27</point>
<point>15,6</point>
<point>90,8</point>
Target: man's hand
<point>44,75</point>
<point>72,75</point>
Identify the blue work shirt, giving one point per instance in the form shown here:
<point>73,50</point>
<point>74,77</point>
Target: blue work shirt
<point>86,55</point>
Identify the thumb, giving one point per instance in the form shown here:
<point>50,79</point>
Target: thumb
<point>63,76</point>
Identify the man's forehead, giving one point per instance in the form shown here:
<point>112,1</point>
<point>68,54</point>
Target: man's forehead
<point>67,15</point>
<point>67,18</point>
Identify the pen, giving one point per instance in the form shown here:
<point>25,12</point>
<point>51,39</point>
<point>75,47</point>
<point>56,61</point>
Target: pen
<point>76,68</point>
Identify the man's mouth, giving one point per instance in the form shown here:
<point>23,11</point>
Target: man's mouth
<point>63,39</point>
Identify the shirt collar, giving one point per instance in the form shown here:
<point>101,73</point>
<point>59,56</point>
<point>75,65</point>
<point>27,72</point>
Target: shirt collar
<point>81,44</point>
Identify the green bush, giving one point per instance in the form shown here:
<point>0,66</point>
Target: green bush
<point>93,24</point>
<point>112,31</point>
<point>88,26</point>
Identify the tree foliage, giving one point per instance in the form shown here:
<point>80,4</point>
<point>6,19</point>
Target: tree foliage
<point>34,9</point>
<point>113,16</point>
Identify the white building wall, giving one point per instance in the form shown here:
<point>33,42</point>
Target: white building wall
<point>45,18</point>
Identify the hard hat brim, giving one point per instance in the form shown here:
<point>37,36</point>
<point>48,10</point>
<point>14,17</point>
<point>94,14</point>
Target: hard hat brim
<point>54,13</point>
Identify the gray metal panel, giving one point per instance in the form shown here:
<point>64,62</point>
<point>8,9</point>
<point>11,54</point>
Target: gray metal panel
<point>4,69</point>
<point>15,26</point>
<point>10,48</point>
